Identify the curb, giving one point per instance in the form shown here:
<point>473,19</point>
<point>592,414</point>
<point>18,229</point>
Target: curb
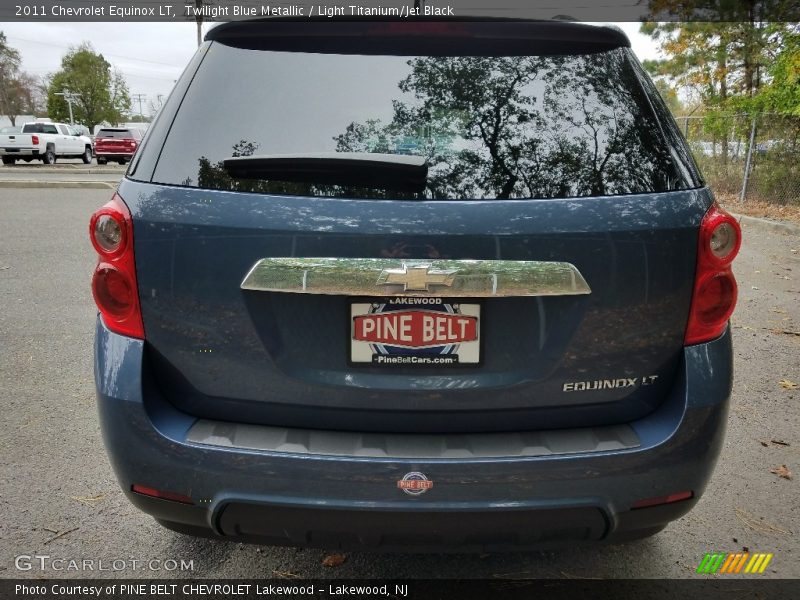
<point>70,172</point>
<point>65,168</point>
<point>768,225</point>
<point>26,183</point>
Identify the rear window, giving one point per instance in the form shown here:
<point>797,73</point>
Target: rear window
<point>489,127</point>
<point>39,128</point>
<point>118,133</point>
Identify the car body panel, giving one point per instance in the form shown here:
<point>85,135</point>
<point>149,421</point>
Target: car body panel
<point>147,439</point>
<point>282,358</point>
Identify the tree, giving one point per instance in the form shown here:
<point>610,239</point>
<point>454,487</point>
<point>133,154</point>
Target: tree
<point>18,90</point>
<point>100,92</point>
<point>670,96</point>
<point>536,127</point>
<point>782,94</point>
<point>722,64</point>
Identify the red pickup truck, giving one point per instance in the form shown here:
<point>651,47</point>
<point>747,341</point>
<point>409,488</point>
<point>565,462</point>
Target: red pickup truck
<point>116,144</point>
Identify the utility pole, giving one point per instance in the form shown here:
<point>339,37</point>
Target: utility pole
<point>198,17</point>
<point>70,98</point>
<point>139,97</point>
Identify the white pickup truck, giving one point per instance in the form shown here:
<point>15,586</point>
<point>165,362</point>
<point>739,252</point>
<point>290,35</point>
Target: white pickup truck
<point>45,142</point>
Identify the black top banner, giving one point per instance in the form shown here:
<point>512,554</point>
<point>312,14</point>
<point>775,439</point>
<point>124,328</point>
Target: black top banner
<point>232,10</point>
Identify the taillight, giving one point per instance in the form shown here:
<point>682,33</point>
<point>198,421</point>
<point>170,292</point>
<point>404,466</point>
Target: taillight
<point>715,290</point>
<point>114,284</point>
<point>35,140</point>
<point>427,28</point>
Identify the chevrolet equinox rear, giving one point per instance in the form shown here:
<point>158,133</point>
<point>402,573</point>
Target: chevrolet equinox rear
<point>419,285</point>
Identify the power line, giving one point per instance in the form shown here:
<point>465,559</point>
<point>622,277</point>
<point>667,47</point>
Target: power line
<point>153,62</point>
<point>139,97</point>
<point>70,98</point>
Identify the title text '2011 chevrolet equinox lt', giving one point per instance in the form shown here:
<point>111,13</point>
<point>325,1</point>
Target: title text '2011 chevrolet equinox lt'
<point>414,285</point>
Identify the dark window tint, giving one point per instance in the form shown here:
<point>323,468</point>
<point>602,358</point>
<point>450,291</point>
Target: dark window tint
<point>39,128</point>
<point>119,133</point>
<point>489,127</point>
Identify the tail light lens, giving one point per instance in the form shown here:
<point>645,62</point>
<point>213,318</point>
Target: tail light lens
<point>114,286</point>
<point>35,140</point>
<point>715,290</point>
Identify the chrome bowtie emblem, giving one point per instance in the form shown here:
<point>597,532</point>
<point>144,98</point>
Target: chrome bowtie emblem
<point>416,278</point>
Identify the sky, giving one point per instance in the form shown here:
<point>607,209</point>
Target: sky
<point>151,56</point>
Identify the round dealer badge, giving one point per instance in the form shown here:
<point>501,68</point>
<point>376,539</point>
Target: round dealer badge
<point>415,483</point>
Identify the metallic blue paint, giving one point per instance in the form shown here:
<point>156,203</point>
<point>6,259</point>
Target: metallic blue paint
<point>281,359</point>
<point>145,438</point>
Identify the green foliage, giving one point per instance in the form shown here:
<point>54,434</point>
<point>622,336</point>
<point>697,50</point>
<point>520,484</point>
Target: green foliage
<point>724,64</point>
<point>102,92</point>
<point>670,96</point>
<point>782,94</point>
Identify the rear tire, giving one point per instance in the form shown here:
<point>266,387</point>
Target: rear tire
<point>49,157</point>
<point>8,160</point>
<point>87,155</point>
<point>101,161</point>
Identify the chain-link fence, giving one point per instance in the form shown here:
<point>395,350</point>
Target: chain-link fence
<point>751,157</point>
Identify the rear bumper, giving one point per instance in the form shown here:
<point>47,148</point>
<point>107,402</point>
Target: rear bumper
<point>113,154</point>
<point>345,501</point>
<point>19,152</point>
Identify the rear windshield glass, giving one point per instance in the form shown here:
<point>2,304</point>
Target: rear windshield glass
<point>39,128</point>
<point>488,127</point>
<point>117,133</point>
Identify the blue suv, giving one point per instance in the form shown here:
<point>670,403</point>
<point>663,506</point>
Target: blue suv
<point>423,285</point>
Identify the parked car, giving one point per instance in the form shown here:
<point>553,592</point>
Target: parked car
<point>46,142</point>
<point>10,130</point>
<point>476,300</point>
<point>118,144</point>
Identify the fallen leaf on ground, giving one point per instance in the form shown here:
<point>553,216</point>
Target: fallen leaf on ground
<point>785,331</point>
<point>89,500</point>
<point>285,575</point>
<point>788,385</point>
<point>782,471</point>
<point>333,560</point>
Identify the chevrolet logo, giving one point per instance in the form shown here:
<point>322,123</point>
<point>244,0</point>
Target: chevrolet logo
<point>416,278</point>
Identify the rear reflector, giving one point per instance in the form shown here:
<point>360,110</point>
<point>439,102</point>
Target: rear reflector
<point>160,494</point>
<point>658,500</point>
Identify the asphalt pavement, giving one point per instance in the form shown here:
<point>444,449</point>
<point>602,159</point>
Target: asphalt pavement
<point>59,497</point>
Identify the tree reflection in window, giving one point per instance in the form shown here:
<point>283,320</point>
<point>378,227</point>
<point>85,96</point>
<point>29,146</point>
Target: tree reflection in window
<point>506,127</point>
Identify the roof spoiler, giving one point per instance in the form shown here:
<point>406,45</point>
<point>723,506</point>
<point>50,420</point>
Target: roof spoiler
<point>414,37</point>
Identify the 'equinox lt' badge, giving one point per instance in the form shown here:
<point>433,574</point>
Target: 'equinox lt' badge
<point>415,483</point>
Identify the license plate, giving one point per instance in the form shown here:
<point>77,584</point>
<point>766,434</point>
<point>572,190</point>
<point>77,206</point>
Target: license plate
<point>436,332</point>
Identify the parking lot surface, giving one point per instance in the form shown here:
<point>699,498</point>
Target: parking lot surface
<point>59,498</point>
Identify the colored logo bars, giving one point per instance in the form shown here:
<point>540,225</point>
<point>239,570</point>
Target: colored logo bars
<point>739,562</point>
